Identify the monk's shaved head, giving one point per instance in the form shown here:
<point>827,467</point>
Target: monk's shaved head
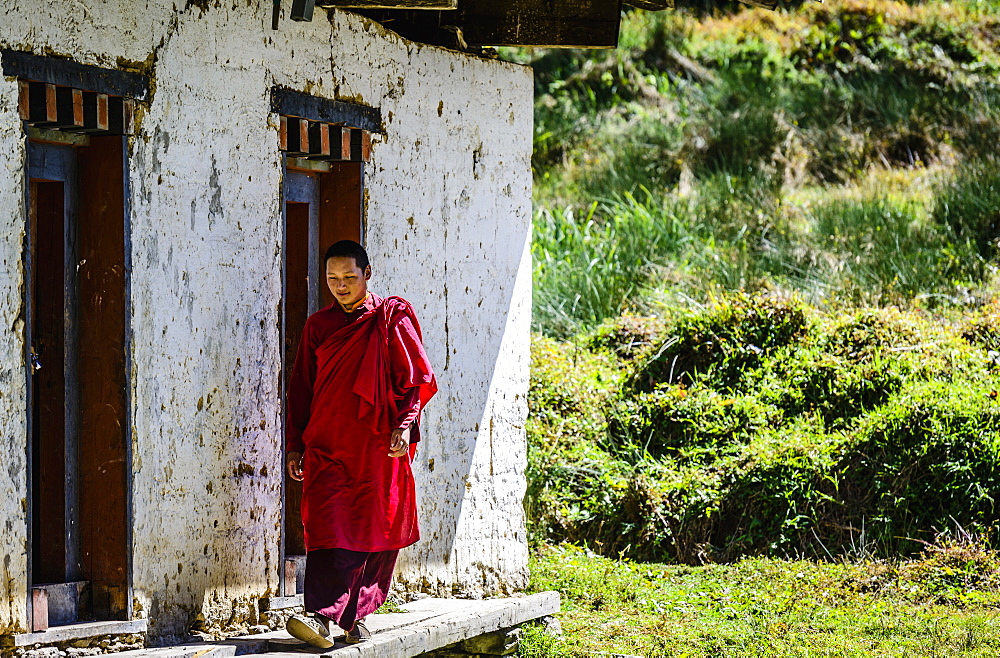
<point>348,249</point>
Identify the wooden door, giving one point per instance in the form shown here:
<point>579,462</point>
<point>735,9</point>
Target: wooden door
<point>76,266</point>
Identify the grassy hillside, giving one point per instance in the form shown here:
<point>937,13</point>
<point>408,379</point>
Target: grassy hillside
<point>768,333</point>
<point>844,150</point>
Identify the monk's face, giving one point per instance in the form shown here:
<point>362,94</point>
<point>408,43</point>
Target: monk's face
<point>347,281</point>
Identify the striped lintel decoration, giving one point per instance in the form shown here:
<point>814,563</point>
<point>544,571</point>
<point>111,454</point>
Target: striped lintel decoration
<point>56,107</point>
<point>317,140</point>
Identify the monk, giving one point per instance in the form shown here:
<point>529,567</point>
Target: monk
<point>360,380</point>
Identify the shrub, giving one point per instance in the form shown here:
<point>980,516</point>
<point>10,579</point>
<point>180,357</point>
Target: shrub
<point>982,328</point>
<point>926,460</point>
<point>861,433</point>
<point>683,422</point>
<point>627,336</point>
<point>568,476</point>
<point>721,344</point>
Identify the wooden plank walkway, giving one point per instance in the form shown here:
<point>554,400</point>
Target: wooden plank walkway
<point>423,626</point>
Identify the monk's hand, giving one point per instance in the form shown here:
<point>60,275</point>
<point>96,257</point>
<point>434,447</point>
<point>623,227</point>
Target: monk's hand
<point>400,443</point>
<point>294,463</point>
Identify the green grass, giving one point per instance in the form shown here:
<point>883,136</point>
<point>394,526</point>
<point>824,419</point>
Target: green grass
<point>929,247</point>
<point>737,150</point>
<point>945,603</point>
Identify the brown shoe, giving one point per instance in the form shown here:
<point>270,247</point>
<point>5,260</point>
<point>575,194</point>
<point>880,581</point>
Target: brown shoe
<point>309,630</point>
<point>358,634</point>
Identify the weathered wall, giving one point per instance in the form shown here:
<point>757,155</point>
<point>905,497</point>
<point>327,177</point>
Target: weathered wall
<point>454,227</point>
<point>448,218</point>
<point>13,404</point>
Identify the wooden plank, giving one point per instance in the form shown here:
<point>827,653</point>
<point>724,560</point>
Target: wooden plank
<point>289,102</point>
<point>101,281</point>
<point>40,105</point>
<point>651,5</point>
<point>69,108</point>
<point>341,210</point>
<point>103,112</point>
<point>541,23</point>
<point>319,140</point>
<point>304,137</point>
<point>23,100</point>
<point>48,229</point>
<point>70,74</point>
<point>39,610</point>
<point>361,143</point>
<point>128,116</point>
<point>390,4</point>
<point>296,136</point>
<point>345,145</point>
<point>340,144</point>
<point>291,567</point>
<point>295,307</point>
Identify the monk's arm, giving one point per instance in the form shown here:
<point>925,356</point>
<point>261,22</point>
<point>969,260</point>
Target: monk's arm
<point>409,408</point>
<point>405,349</point>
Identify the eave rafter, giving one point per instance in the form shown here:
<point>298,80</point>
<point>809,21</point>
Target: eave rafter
<point>472,25</point>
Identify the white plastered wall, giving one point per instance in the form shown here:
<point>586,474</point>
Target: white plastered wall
<point>448,216</point>
<point>13,389</point>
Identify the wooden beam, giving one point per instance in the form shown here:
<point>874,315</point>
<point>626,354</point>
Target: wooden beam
<point>69,108</point>
<point>319,140</point>
<point>651,5</point>
<point>296,104</point>
<point>70,74</point>
<point>541,23</point>
<point>361,145</point>
<point>296,136</point>
<point>389,4</point>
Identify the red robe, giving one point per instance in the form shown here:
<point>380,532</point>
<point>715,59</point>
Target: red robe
<point>358,376</point>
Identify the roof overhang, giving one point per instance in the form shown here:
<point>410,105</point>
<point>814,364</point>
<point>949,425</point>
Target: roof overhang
<point>475,24</point>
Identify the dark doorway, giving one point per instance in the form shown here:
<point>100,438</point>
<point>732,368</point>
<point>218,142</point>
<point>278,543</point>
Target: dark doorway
<point>321,205</point>
<point>76,268</point>
<point>52,211</point>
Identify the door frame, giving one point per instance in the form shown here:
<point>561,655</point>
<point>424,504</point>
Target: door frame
<point>39,136</point>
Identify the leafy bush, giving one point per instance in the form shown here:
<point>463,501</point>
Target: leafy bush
<point>872,428</point>
<point>682,422</point>
<point>570,388</point>
<point>719,345</point>
<point>927,459</point>
<point>982,328</point>
<point>626,336</point>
